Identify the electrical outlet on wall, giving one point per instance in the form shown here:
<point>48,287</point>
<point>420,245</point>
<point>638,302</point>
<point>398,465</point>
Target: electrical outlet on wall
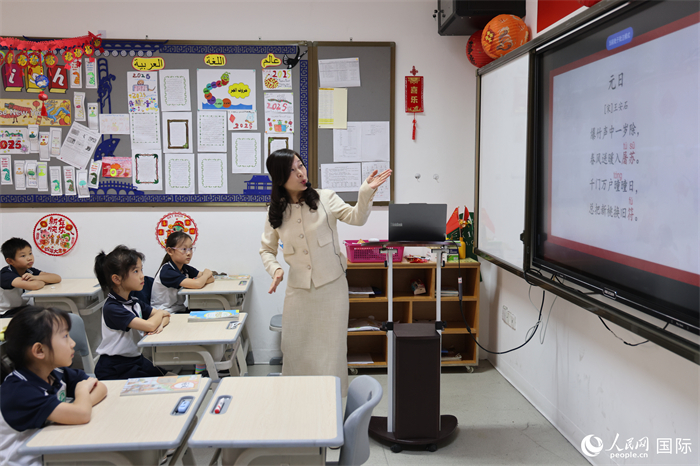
<point>508,317</point>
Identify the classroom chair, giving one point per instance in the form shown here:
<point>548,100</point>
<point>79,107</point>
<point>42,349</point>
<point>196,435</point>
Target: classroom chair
<point>82,347</point>
<point>364,393</point>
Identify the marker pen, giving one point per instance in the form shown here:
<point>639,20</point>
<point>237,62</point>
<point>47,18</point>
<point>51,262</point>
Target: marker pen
<point>219,405</point>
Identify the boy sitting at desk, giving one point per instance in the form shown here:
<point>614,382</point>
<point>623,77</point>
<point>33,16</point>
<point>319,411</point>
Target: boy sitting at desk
<point>19,275</point>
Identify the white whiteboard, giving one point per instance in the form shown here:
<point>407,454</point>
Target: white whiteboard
<point>502,161</point>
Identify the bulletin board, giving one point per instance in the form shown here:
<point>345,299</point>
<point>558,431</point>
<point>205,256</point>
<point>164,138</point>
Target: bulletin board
<point>116,83</point>
<point>369,103</point>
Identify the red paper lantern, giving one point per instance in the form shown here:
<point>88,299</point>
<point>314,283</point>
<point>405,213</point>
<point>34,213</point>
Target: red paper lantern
<point>475,51</point>
<point>503,34</point>
<point>588,3</point>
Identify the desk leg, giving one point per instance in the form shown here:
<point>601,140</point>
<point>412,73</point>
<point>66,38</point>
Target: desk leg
<point>298,456</point>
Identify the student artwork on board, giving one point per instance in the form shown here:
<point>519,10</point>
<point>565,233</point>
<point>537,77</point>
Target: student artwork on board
<point>246,153</point>
<point>179,174</point>
<point>212,174</point>
<point>146,172</point>
<point>142,91</point>
<point>273,142</point>
<point>175,90</point>
<point>177,132</point>
<point>225,89</point>
<point>211,132</point>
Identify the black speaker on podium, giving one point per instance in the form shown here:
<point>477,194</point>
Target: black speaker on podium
<point>417,390</point>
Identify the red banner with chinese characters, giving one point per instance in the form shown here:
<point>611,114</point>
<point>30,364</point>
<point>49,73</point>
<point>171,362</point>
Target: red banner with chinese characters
<point>55,234</point>
<point>175,221</point>
<point>414,94</point>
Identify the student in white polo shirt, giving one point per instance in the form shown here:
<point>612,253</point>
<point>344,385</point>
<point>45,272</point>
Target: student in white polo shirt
<point>125,319</point>
<point>39,344</point>
<point>175,272</point>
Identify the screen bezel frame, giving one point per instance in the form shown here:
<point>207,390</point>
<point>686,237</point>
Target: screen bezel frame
<point>657,308</point>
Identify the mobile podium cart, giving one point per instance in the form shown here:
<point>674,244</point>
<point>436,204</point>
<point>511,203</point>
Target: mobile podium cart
<point>413,369</point>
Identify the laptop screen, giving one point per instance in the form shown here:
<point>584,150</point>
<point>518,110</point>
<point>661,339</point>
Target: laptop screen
<point>417,222</point>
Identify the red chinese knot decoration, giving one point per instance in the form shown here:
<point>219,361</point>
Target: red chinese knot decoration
<point>55,234</point>
<point>414,97</point>
<point>175,221</point>
<point>503,34</point>
<point>475,51</point>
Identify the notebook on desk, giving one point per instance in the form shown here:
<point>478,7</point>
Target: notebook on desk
<point>417,222</point>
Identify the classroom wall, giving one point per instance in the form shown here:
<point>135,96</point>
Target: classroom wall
<point>585,380</point>
<point>230,237</point>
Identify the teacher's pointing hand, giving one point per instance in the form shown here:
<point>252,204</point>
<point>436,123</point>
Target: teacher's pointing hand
<point>374,181</point>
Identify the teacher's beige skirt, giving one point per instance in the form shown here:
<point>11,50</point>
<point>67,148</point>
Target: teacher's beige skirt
<point>315,331</point>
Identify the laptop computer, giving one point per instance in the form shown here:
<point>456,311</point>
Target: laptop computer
<point>417,222</point>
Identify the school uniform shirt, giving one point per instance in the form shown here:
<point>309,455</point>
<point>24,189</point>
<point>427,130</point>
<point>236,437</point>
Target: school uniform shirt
<point>26,402</point>
<point>9,295</point>
<point>117,313</point>
<point>166,284</point>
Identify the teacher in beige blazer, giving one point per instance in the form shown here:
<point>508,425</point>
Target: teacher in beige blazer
<point>316,305</point>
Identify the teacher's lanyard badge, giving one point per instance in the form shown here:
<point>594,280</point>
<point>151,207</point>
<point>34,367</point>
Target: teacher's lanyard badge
<point>414,97</point>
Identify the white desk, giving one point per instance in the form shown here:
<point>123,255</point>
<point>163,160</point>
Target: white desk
<point>288,416</point>
<point>80,296</point>
<point>183,342</point>
<point>123,429</point>
<point>223,293</point>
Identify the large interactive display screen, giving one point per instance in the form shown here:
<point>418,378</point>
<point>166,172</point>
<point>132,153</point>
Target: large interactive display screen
<point>618,160</point>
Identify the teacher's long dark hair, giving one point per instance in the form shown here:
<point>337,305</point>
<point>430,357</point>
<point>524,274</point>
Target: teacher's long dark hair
<point>279,165</point>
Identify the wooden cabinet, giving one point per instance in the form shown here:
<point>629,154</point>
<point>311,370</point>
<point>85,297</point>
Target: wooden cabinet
<point>416,308</point>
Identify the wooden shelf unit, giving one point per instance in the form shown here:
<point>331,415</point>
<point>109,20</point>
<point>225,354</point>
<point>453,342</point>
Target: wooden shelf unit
<point>410,308</point>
